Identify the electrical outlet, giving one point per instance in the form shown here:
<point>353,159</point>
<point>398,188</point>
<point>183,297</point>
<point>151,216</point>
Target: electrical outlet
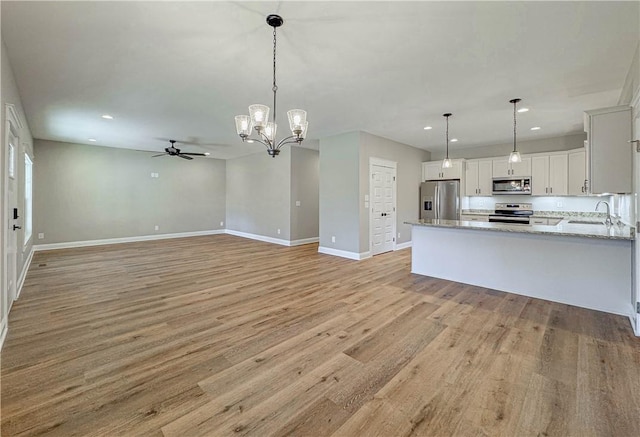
<point>278,231</point>
<point>398,234</point>
<point>221,223</point>
<point>333,238</point>
<point>41,236</point>
<point>559,204</point>
<point>481,203</point>
<point>297,203</point>
<point>157,228</point>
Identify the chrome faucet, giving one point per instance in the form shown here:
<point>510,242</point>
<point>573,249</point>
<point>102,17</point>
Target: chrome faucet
<point>608,220</point>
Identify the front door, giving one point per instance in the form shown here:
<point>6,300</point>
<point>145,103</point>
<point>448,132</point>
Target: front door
<point>12,219</point>
<point>383,211</point>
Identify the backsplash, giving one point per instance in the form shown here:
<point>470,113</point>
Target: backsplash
<point>623,205</point>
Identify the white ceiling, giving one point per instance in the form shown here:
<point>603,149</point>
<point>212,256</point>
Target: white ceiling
<point>183,70</point>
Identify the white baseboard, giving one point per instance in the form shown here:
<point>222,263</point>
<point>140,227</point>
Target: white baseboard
<point>258,237</point>
<point>401,246</point>
<point>72,244</point>
<point>3,330</point>
<point>634,326</point>
<point>23,275</point>
<point>303,241</point>
<point>344,254</point>
<point>279,241</point>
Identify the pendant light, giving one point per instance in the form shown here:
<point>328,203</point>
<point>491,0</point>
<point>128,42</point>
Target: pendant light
<point>447,162</point>
<point>258,118</point>
<point>515,155</point>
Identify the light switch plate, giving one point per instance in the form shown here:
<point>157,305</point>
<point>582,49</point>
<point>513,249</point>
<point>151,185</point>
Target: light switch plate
<point>297,203</point>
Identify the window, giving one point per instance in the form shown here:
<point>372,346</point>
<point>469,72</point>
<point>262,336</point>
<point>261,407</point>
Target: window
<point>28,198</point>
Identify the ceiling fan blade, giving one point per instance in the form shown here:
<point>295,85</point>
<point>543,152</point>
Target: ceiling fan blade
<point>194,154</point>
<point>181,155</point>
<point>155,156</point>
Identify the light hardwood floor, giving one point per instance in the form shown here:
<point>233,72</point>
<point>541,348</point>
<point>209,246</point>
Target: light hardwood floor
<point>220,335</point>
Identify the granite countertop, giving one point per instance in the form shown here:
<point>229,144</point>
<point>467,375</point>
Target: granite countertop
<point>564,228</point>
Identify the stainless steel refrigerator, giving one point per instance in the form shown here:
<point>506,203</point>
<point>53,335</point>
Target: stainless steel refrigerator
<point>440,200</point>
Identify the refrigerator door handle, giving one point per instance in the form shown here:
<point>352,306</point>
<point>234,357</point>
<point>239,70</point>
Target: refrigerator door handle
<point>437,201</point>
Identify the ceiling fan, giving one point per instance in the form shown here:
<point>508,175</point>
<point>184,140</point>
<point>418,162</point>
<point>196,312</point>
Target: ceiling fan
<point>173,151</point>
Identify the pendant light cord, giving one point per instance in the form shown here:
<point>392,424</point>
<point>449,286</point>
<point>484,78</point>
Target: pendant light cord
<point>275,87</point>
<point>447,137</point>
<point>514,125</point>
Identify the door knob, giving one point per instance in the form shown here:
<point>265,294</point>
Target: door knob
<point>16,227</point>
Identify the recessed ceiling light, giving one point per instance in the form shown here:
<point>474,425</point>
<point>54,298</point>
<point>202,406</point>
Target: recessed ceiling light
<point>535,128</point>
<point>248,141</point>
<point>108,117</point>
<point>207,153</point>
<point>523,110</point>
<point>428,128</point>
<point>454,140</point>
<point>93,140</point>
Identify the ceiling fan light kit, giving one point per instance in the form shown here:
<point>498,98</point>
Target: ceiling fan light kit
<point>258,118</point>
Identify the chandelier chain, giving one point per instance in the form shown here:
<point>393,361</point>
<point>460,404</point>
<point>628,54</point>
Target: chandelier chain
<point>275,87</point>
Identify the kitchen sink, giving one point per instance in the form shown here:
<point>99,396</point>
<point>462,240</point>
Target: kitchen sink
<point>586,222</point>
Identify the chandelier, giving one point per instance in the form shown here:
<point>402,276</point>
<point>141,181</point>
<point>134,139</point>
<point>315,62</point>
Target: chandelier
<point>258,118</point>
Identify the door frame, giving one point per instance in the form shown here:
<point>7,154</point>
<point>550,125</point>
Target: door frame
<point>390,164</point>
<point>635,131</point>
<point>13,124</point>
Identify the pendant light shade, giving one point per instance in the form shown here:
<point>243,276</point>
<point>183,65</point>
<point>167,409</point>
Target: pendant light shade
<point>514,156</point>
<point>447,162</point>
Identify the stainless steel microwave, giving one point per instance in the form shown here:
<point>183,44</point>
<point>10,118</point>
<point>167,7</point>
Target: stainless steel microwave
<point>512,185</point>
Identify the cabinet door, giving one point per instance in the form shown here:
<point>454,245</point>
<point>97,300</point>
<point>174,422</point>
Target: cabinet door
<point>485,177</point>
<point>576,172</point>
<point>471,179</point>
<point>611,154</point>
<point>522,168</point>
<point>432,170</point>
<point>455,172</point>
<point>558,179</point>
<point>501,168</point>
<point>540,175</point>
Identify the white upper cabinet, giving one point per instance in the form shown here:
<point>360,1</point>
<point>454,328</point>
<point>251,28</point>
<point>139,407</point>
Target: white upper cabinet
<point>577,172</point>
<point>478,177</point>
<point>502,168</point>
<point>610,154</point>
<point>549,174</point>
<point>433,171</point>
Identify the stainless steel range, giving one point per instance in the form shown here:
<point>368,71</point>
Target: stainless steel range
<point>513,213</point>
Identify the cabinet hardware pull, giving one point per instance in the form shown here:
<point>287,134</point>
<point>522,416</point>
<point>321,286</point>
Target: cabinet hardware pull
<point>551,190</point>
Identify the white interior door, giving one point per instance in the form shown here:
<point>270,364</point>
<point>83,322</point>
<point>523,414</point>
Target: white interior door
<point>12,205</point>
<point>383,207</point>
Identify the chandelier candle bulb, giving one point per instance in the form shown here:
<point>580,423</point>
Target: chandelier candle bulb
<point>259,115</point>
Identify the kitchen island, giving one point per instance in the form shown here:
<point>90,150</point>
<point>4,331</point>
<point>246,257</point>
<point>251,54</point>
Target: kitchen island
<point>585,265</point>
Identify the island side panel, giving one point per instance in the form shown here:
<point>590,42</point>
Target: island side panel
<point>586,272</point>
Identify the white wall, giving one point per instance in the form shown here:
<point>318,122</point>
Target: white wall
<point>339,192</point>
<point>259,194</point>
<point>305,174</point>
<point>85,193</point>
